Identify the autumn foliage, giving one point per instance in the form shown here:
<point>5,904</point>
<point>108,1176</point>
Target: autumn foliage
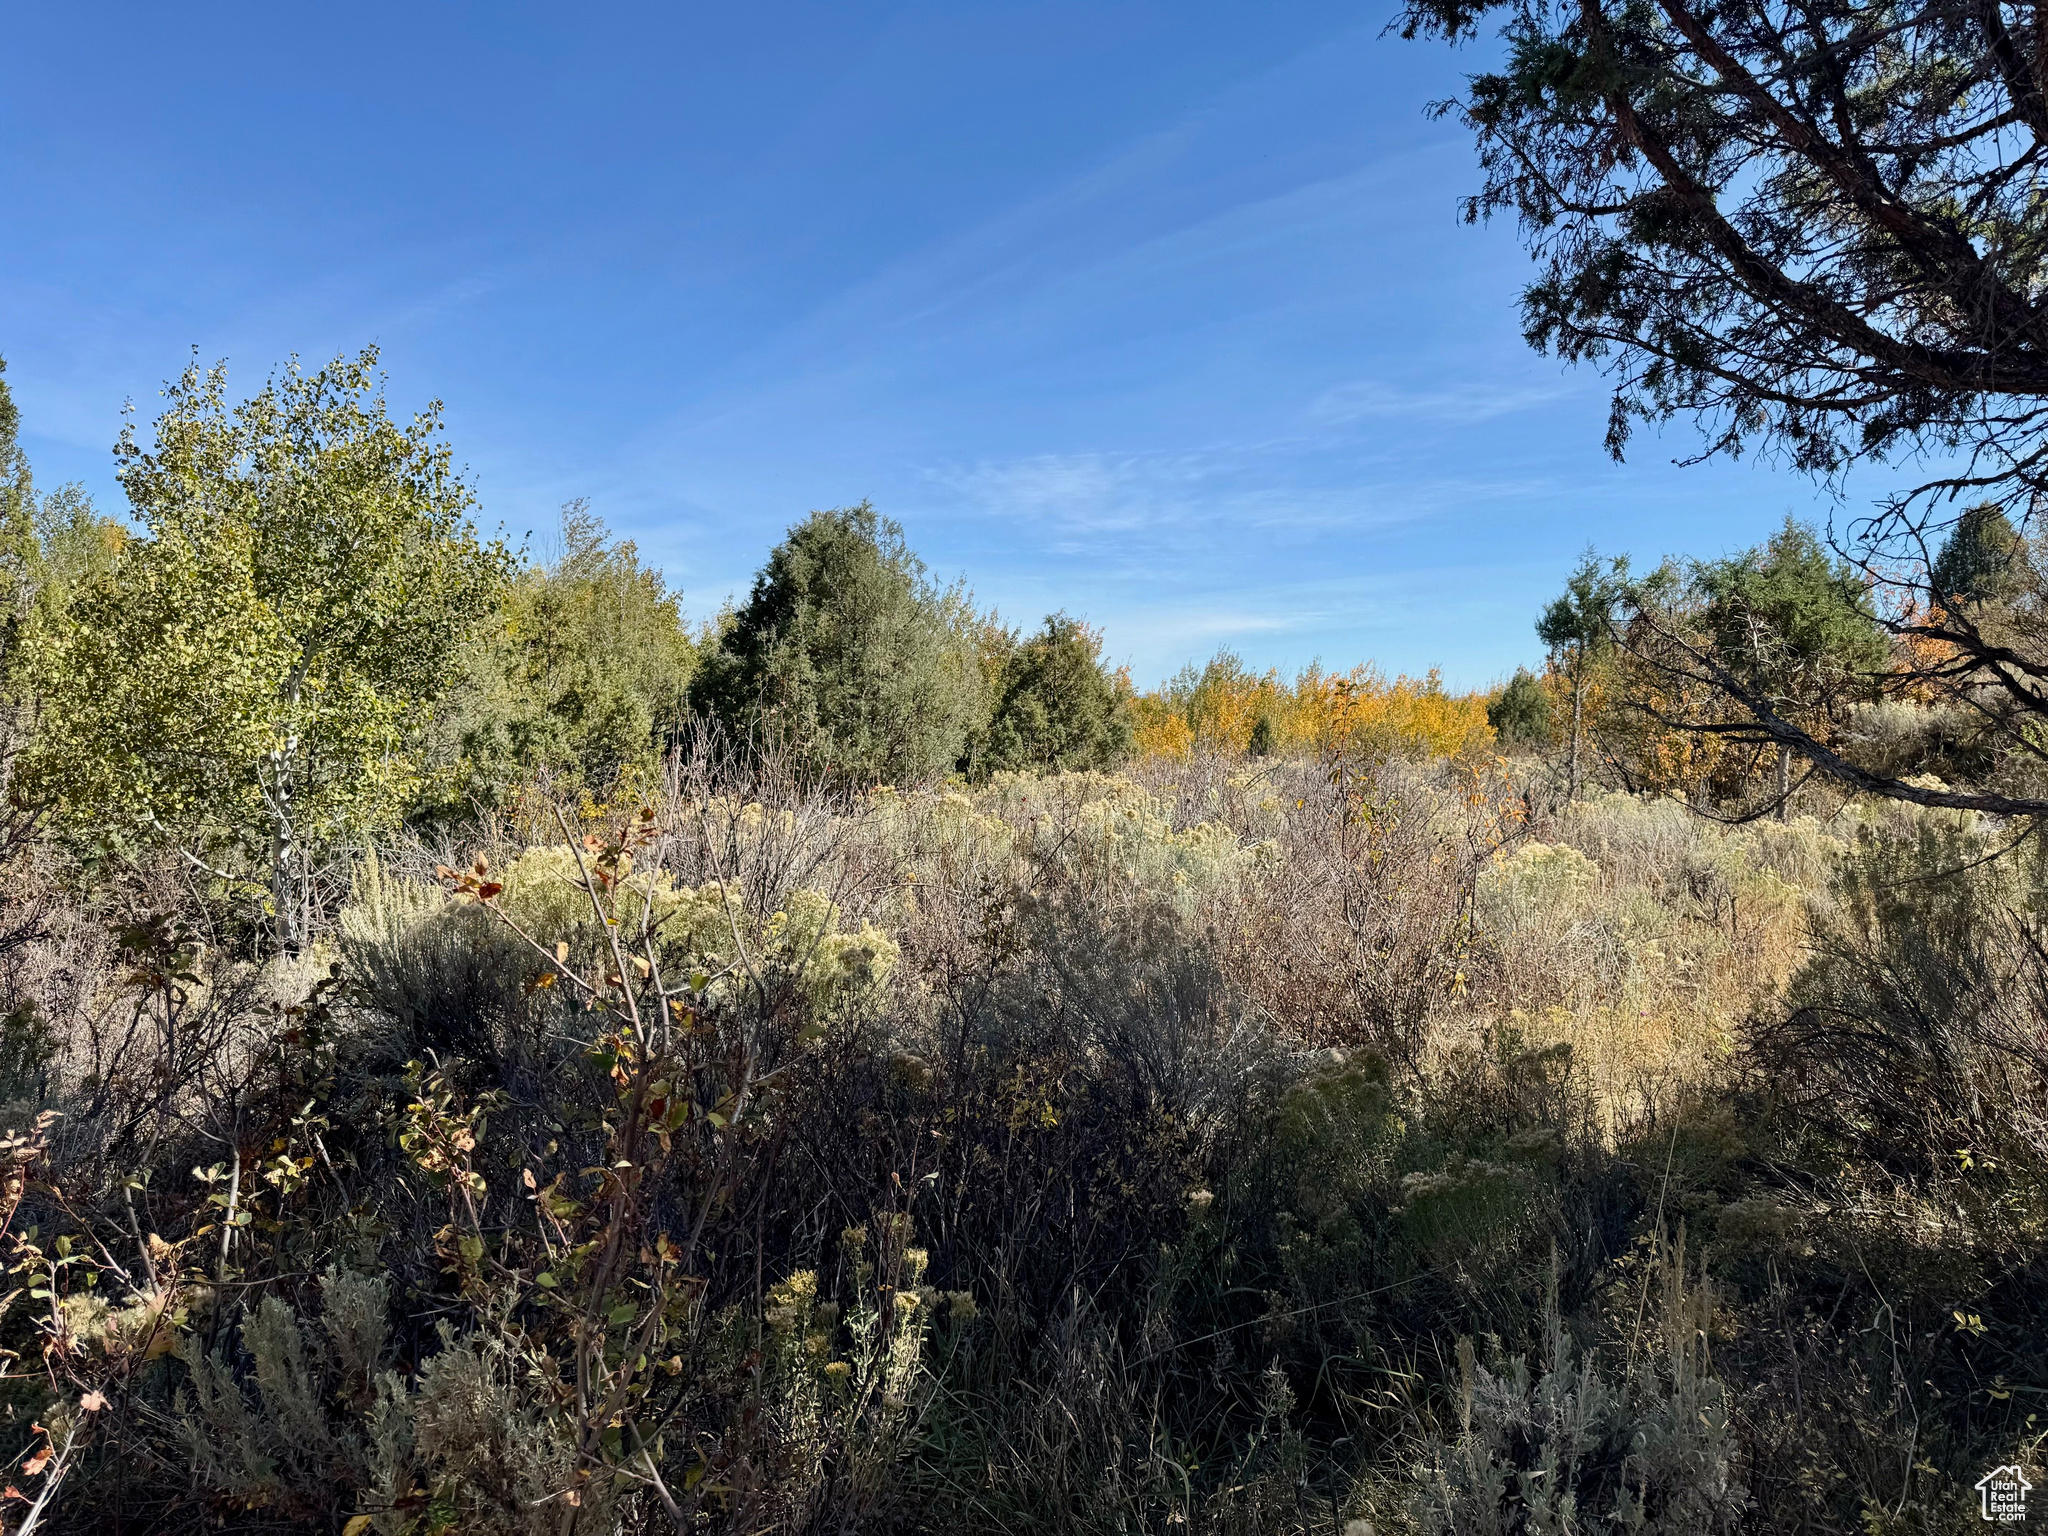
<point>1226,707</point>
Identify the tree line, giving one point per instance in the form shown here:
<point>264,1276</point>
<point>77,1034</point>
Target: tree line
<point>301,640</point>
<point>1742,684</point>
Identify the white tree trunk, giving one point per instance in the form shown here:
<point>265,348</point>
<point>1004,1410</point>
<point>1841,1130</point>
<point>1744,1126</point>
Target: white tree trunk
<point>287,855</point>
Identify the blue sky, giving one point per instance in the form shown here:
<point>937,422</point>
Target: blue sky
<point>1160,313</point>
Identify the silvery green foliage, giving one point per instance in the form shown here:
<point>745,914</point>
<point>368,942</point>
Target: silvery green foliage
<point>447,976</point>
<point>312,1423</point>
<point>277,1444</point>
<point>478,1440</point>
<point>1650,1450</point>
<point>421,959</point>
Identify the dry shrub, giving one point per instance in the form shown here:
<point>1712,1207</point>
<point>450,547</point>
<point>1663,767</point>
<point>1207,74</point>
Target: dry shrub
<point>1102,1152</point>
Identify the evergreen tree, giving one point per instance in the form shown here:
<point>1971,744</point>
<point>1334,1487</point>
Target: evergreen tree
<point>20,553</point>
<point>1260,743</point>
<point>1520,713</point>
<point>1789,622</point>
<point>847,656</point>
<point>1983,559</point>
<point>1055,708</point>
<point>1577,628</point>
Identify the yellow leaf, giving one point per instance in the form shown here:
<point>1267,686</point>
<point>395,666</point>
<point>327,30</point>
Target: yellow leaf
<point>357,1524</point>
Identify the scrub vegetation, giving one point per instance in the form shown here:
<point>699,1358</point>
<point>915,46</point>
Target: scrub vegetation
<point>478,1055</point>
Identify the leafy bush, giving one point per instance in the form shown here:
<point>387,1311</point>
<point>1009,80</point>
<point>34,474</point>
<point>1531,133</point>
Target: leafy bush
<point>582,682</point>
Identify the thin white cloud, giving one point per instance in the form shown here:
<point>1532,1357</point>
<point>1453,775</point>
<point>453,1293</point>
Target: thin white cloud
<point>1375,399</point>
<point>1102,500</point>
